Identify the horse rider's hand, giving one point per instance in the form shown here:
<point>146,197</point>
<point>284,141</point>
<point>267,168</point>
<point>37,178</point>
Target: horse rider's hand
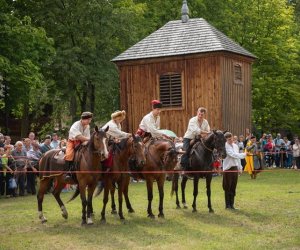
<point>129,135</point>
<point>85,143</point>
<point>240,172</point>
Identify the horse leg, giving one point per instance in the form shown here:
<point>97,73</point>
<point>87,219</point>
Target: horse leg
<point>40,197</point>
<point>183,185</point>
<point>175,188</point>
<point>160,186</point>
<point>56,193</point>
<point>107,188</point>
<point>91,189</point>
<point>208,192</point>
<point>149,183</point>
<point>83,202</point>
<point>113,204</point>
<point>125,192</point>
<point>120,199</point>
<point>195,193</point>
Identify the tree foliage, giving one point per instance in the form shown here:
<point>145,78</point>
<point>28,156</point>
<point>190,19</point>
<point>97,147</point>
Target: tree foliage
<point>58,52</point>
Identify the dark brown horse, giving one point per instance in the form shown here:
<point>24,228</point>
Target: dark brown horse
<point>201,159</point>
<point>161,155</point>
<point>130,148</point>
<point>88,159</point>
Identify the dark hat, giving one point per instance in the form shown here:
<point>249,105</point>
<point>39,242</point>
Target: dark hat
<point>156,104</point>
<point>252,137</point>
<point>86,115</point>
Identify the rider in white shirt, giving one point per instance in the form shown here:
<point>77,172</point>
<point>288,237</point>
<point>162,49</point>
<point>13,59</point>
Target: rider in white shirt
<point>197,126</point>
<point>150,123</point>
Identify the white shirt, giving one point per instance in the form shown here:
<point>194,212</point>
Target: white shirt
<point>77,129</point>
<point>151,125</point>
<point>115,130</point>
<point>296,150</point>
<point>233,157</point>
<point>194,128</point>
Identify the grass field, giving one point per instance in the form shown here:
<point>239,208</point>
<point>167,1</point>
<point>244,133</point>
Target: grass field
<point>268,218</point>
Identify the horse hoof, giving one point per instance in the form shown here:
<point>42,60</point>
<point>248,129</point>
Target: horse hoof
<point>194,210</point>
<point>178,207</point>
<point>161,216</point>
<point>185,207</point>
<point>65,216</point>
<point>83,223</point>
<point>44,221</point>
<point>151,216</point>
<point>131,211</point>
<point>211,211</point>
<point>113,211</point>
<point>103,221</point>
<point>90,221</point>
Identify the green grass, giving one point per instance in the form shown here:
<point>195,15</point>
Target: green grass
<point>268,218</point>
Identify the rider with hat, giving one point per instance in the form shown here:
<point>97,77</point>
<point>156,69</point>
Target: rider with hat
<point>150,123</point>
<point>79,133</point>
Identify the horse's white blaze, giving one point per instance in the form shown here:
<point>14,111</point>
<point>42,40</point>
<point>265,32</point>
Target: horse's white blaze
<point>105,148</point>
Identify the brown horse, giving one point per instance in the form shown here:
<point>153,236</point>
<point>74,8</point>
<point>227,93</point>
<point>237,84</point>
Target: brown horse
<point>161,155</point>
<point>88,159</point>
<point>129,148</point>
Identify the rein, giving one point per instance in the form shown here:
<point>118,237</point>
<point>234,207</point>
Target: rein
<point>211,150</point>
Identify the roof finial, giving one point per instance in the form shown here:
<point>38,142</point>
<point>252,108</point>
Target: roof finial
<point>185,12</point>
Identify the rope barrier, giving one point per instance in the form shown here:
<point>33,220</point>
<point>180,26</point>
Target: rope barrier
<point>141,172</point>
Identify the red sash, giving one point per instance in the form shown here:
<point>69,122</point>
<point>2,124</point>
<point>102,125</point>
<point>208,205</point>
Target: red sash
<point>109,161</point>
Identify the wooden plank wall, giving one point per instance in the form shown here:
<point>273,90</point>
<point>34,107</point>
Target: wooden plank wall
<point>236,98</point>
<point>202,86</point>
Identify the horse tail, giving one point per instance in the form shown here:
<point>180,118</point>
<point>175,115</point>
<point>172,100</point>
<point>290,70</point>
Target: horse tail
<point>76,193</point>
<point>174,183</point>
<point>99,189</point>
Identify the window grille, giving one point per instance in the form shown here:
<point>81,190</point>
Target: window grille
<point>238,76</point>
<point>170,89</point>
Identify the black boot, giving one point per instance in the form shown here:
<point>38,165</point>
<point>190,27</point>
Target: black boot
<point>68,176</point>
<point>227,200</point>
<point>232,201</point>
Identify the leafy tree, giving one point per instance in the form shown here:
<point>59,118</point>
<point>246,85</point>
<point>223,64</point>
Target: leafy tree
<point>24,52</point>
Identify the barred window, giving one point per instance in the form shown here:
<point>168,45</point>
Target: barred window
<point>238,76</point>
<point>170,90</point>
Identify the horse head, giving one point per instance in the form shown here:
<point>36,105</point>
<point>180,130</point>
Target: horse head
<point>98,142</point>
<point>138,149</point>
<point>219,143</point>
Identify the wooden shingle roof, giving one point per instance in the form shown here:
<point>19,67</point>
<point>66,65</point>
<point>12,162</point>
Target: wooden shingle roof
<point>178,38</point>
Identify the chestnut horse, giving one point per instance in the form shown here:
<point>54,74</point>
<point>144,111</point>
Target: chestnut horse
<point>161,155</point>
<point>129,148</point>
<point>89,159</point>
<point>201,159</point>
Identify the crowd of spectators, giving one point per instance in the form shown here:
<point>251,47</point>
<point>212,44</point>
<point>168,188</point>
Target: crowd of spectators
<point>19,163</point>
<point>275,152</point>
